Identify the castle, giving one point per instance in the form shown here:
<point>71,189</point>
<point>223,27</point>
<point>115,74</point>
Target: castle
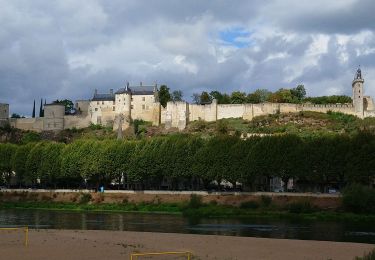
<point>120,108</point>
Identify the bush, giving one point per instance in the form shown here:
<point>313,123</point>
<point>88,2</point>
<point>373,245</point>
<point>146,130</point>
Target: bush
<point>85,198</point>
<point>359,199</point>
<point>31,137</point>
<point>303,206</point>
<point>249,205</point>
<point>266,200</point>
<point>195,201</point>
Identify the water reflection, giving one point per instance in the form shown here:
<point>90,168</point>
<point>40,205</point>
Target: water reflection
<point>255,227</point>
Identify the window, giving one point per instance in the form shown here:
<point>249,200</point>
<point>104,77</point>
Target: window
<point>143,107</point>
<point>102,102</point>
<point>143,98</point>
<point>96,109</point>
<point>131,106</point>
<point>113,108</point>
<point>132,99</point>
<point>97,102</point>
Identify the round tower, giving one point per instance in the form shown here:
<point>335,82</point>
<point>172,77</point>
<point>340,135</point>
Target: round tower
<point>357,86</point>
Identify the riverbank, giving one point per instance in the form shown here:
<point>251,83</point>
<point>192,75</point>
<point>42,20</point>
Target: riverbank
<point>77,244</point>
<point>301,211</point>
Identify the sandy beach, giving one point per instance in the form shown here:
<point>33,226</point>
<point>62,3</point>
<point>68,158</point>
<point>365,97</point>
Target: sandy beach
<point>78,244</point>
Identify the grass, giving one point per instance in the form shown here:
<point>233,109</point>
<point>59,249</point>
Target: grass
<point>196,209</point>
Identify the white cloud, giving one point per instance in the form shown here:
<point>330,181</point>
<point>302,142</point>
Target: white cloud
<point>65,49</point>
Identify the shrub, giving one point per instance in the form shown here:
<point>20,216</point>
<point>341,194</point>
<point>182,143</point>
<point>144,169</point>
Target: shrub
<point>85,198</point>
<point>249,205</point>
<point>31,137</point>
<point>266,200</point>
<point>359,199</point>
<point>195,201</point>
<point>303,206</point>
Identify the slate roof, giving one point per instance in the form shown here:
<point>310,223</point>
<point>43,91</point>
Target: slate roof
<point>103,97</point>
<point>137,90</point>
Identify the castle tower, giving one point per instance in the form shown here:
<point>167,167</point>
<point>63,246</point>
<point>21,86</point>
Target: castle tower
<point>357,86</point>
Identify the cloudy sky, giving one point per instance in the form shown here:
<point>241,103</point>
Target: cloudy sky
<point>66,49</point>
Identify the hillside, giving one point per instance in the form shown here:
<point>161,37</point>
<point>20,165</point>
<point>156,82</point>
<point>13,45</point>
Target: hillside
<point>302,124</point>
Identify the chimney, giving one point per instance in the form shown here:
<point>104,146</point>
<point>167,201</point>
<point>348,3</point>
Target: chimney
<point>111,91</point>
<point>96,92</point>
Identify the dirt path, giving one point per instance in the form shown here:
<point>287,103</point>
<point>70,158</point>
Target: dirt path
<point>77,244</point>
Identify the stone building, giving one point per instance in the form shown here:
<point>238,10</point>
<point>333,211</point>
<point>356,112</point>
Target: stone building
<point>126,104</point>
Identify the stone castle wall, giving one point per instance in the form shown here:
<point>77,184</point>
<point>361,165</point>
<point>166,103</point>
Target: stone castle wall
<point>179,114</point>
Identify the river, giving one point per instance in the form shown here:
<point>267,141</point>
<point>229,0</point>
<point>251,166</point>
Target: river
<point>254,227</point>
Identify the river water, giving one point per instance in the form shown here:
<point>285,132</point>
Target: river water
<point>254,227</point>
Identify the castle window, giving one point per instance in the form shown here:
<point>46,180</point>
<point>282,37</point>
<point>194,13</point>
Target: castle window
<point>143,107</point>
<point>143,98</point>
<point>96,109</point>
<point>113,108</point>
<point>131,106</point>
<point>131,99</point>
<point>97,102</point>
<point>102,102</point>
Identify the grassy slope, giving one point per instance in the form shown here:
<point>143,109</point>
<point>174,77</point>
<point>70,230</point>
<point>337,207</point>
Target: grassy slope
<point>302,124</point>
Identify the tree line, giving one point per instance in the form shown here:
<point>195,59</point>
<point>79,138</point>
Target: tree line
<point>192,163</point>
<point>283,95</point>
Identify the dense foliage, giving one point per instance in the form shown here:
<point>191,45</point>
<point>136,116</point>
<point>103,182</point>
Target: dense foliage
<point>283,95</point>
<point>191,162</point>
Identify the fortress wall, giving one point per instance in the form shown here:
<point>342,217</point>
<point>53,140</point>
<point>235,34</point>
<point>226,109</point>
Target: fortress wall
<point>230,111</point>
<point>76,122</point>
<point>369,103</point>
<point>289,108</point>
<point>82,107</point>
<point>369,113</point>
<point>108,117</point>
<point>4,111</point>
<point>33,124</point>
<point>343,108</point>
<point>204,112</point>
<point>163,114</point>
<point>196,112</point>
<point>177,114</point>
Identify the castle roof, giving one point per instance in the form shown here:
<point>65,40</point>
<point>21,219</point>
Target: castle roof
<point>137,90</point>
<point>103,97</point>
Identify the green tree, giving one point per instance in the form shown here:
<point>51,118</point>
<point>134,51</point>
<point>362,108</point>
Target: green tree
<point>19,161</point>
<point>238,97</point>
<point>7,152</point>
<point>50,165</point>
<point>258,96</point>
<point>164,95</point>
<point>176,95</point>
<point>33,162</point>
<point>205,98</point>
<point>69,106</point>
<point>299,92</point>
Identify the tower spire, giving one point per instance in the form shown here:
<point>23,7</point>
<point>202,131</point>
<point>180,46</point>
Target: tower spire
<point>359,73</point>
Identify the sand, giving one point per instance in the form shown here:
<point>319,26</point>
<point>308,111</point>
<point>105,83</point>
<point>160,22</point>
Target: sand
<point>93,244</point>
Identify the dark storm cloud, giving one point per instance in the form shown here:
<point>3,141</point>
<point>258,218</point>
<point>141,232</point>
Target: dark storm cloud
<point>350,18</point>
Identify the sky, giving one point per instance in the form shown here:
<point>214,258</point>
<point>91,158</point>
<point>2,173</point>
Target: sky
<point>68,48</point>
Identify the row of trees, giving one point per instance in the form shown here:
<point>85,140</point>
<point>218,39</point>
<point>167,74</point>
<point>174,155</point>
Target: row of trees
<point>187,162</point>
<point>294,95</point>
